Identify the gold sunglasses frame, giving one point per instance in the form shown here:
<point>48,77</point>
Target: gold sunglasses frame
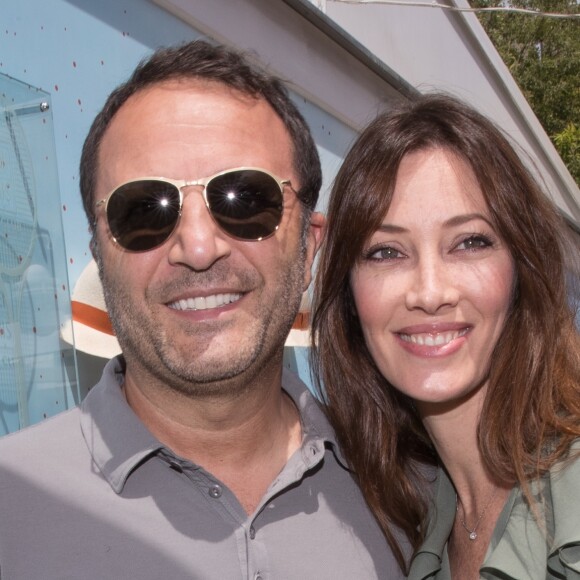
<point>179,184</point>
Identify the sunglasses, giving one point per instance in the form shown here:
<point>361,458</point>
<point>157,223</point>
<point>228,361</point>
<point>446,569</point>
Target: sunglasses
<point>246,203</point>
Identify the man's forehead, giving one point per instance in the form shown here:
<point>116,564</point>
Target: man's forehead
<point>191,101</point>
<point>205,85</point>
<point>199,120</point>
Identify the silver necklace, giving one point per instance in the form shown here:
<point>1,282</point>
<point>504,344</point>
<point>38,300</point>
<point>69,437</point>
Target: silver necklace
<point>473,532</point>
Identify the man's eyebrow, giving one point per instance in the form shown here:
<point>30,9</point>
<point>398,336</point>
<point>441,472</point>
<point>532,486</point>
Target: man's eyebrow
<point>455,221</point>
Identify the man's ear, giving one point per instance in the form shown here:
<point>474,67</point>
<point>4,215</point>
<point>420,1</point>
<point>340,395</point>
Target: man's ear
<point>315,235</point>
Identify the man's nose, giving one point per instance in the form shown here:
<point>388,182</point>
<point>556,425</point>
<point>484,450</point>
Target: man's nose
<point>197,242</point>
<point>433,286</point>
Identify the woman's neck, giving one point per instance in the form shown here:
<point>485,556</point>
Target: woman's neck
<point>480,497</point>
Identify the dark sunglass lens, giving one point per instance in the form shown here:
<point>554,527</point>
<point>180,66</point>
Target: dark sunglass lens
<point>143,214</point>
<point>246,204</point>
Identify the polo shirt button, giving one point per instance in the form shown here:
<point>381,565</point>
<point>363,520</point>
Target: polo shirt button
<point>215,491</point>
<point>252,532</point>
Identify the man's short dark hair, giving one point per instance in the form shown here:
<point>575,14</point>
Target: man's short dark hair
<point>204,61</point>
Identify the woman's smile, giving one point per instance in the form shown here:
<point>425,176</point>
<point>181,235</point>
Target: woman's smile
<point>433,286</point>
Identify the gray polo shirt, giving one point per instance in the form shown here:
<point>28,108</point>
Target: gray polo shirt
<point>92,494</point>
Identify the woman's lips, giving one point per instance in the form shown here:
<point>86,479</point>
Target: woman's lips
<point>433,341</point>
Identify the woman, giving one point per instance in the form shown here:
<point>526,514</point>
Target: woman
<point>444,338</point>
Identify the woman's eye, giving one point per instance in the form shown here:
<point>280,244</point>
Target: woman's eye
<point>384,253</point>
<point>474,243</point>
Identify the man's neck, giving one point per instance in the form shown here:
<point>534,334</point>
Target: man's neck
<point>243,439</point>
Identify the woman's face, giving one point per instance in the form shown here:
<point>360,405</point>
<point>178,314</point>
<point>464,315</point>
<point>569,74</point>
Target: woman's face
<point>434,283</point>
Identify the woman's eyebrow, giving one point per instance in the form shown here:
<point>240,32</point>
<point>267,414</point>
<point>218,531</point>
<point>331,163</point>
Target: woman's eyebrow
<point>454,221</point>
<point>392,229</point>
<point>459,220</point>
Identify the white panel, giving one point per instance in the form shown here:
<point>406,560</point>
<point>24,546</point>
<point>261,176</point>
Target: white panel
<point>315,66</point>
<point>439,49</point>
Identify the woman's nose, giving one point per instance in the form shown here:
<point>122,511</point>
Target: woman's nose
<point>433,286</point>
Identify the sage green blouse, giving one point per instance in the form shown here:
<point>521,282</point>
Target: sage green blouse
<point>519,549</point>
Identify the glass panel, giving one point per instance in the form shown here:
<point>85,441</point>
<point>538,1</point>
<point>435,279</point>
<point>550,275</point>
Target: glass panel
<point>38,375</point>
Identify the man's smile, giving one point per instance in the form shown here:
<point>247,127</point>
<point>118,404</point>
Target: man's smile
<point>205,302</point>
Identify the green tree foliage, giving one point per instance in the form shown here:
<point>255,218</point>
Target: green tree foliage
<point>543,56</point>
<point>568,144</point>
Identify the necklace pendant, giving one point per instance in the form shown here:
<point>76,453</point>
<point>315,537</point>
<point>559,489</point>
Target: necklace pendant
<point>473,536</point>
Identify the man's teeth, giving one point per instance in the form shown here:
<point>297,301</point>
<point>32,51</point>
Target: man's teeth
<point>204,302</point>
<point>438,339</point>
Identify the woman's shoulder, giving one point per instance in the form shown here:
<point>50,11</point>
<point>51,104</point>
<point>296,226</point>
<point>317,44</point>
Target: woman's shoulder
<point>564,479</point>
<point>564,556</point>
<point>545,541</point>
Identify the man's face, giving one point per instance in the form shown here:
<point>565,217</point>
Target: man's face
<point>203,307</point>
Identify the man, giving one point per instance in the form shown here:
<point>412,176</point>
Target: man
<point>194,457</point>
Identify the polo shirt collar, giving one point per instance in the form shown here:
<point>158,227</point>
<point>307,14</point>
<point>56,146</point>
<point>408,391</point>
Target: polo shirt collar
<point>316,428</point>
<point>116,438</point>
<point>119,442</point>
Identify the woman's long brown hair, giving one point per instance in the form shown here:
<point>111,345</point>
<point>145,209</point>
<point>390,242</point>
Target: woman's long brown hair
<point>531,413</point>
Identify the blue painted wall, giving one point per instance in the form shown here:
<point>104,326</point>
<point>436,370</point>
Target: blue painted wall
<point>77,51</point>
